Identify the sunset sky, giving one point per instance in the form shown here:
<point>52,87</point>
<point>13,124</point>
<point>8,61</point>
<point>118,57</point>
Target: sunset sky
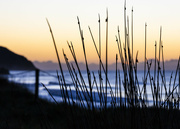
<point>23,27</point>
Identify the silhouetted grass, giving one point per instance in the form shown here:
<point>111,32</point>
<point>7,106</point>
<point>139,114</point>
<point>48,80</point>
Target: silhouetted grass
<point>19,110</point>
<point>132,110</point>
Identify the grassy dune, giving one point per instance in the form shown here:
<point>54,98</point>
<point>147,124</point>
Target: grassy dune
<point>19,110</point>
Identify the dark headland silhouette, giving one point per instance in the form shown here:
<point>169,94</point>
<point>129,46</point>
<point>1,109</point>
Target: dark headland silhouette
<point>12,61</point>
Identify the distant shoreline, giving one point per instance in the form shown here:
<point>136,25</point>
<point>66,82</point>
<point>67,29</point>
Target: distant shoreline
<point>50,65</point>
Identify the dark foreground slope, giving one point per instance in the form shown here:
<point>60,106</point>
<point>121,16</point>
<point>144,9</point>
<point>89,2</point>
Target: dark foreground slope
<point>13,61</point>
<point>19,110</point>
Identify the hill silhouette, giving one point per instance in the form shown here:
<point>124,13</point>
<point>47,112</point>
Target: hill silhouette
<point>12,61</point>
<point>49,65</point>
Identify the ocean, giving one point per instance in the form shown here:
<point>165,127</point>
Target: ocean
<point>50,80</point>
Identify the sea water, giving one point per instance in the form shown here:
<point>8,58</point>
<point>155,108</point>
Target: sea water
<point>50,80</point>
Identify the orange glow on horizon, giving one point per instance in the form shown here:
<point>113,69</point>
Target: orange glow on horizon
<point>24,29</point>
